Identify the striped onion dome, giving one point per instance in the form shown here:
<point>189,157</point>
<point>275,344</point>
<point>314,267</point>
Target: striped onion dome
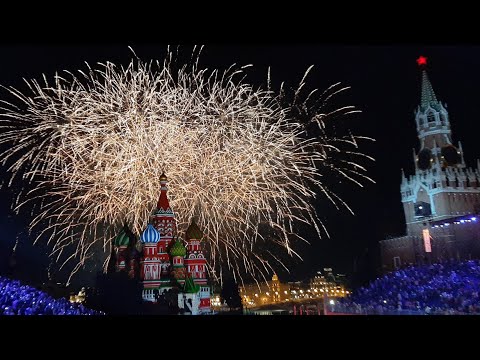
<point>150,235</point>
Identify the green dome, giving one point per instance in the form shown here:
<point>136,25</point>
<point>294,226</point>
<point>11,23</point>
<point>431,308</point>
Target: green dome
<point>122,239</point>
<point>194,232</point>
<point>178,249</point>
<point>190,287</point>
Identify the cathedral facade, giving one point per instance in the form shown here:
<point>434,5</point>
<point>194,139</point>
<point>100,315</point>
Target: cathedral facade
<point>162,261</point>
<point>441,200</point>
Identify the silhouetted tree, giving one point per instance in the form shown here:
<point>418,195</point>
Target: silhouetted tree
<point>116,294</point>
<point>231,295</point>
<point>169,300</point>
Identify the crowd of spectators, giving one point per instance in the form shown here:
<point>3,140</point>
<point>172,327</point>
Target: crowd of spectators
<point>19,299</point>
<point>451,287</point>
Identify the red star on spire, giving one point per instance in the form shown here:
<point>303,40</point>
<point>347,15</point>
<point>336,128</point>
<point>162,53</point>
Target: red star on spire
<point>422,61</point>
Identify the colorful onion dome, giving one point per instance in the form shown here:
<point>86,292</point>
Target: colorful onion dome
<point>178,249</point>
<point>190,287</point>
<point>193,231</point>
<point>122,239</point>
<point>150,235</point>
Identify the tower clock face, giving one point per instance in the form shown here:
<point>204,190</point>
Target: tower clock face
<point>424,159</point>
<point>450,155</point>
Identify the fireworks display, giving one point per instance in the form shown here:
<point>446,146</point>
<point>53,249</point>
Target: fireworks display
<point>246,162</point>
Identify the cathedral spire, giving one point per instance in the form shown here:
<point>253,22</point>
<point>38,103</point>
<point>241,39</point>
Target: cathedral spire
<point>163,203</point>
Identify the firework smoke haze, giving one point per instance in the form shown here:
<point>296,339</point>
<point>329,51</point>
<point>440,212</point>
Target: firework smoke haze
<point>93,145</point>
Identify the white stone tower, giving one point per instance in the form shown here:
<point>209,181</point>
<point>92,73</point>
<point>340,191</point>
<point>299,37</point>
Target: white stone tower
<point>442,186</point>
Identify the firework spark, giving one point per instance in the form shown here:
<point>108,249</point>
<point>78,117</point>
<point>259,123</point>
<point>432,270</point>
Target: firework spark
<point>238,158</point>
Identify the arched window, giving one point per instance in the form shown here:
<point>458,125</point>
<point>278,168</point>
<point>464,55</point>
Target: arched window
<point>431,117</point>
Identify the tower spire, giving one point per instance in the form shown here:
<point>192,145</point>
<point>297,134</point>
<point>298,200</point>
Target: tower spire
<point>428,95</point>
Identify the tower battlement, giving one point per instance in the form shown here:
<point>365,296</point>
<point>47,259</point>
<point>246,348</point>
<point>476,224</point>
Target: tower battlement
<point>438,179</point>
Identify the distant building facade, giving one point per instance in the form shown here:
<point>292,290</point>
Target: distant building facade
<point>441,200</point>
<point>262,293</point>
<point>274,291</point>
<point>329,284</point>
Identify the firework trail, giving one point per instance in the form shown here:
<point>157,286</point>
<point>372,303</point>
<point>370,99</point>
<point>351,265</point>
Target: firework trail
<point>247,163</point>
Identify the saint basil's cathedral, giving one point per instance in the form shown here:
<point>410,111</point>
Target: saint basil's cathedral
<point>162,261</point>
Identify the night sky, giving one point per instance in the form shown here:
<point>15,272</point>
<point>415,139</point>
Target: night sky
<point>385,85</point>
